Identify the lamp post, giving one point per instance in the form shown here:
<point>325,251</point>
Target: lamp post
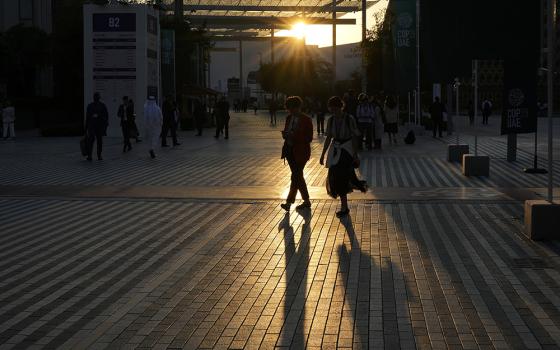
<point>418,93</point>
<point>551,24</point>
<point>456,86</point>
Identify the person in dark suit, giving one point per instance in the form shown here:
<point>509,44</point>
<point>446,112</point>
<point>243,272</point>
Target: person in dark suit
<point>221,112</point>
<point>297,134</point>
<point>168,110</point>
<point>125,119</point>
<point>436,113</point>
<point>97,121</point>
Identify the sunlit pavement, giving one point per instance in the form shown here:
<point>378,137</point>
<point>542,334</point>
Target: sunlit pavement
<point>191,250</point>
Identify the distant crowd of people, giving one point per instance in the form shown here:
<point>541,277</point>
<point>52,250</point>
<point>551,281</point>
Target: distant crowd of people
<point>158,123</point>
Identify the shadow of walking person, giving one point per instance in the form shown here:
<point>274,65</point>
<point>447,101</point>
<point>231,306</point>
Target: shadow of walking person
<point>293,334</point>
<point>369,316</point>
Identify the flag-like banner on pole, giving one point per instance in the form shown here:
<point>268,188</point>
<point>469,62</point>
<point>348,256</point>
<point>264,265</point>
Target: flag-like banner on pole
<point>520,100</point>
<point>403,17</point>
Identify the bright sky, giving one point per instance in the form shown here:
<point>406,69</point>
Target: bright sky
<point>321,35</point>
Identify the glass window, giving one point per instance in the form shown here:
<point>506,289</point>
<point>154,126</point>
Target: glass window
<point>25,10</point>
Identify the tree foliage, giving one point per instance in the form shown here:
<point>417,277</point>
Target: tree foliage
<point>297,76</point>
<point>22,51</point>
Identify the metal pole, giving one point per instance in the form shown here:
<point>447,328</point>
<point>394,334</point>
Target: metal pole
<point>457,104</point>
<point>551,26</point>
<point>418,94</point>
<point>409,107</point>
<point>272,44</point>
<point>241,69</point>
<point>364,34</point>
<point>475,105</point>
<point>334,43</point>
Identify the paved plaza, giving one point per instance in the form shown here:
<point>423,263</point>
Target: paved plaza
<point>191,250</point>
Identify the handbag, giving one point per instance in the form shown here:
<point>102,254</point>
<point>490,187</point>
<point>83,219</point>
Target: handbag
<point>83,146</point>
<point>285,150</point>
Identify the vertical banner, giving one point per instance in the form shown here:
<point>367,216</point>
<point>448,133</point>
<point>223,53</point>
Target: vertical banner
<point>152,56</point>
<point>402,14</point>
<point>168,62</point>
<point>520,99</point>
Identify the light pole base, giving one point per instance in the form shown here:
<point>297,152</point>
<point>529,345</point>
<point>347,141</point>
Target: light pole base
<point>535,171</point>
<point>455,152</point>
<point>541,220</point>
<point>476,165</point>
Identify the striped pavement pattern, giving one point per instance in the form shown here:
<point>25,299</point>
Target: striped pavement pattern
<point>245,170</point>
<point>77,274</point>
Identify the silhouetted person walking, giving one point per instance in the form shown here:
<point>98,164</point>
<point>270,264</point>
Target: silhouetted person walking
<point>342,146</point>
<point>221,113</point>
<point>8,120</point>
<point>153,121</point>
<point>391,119</point>
<point>436,113</point>
<point>97,121</point>
<point>169,122</point>
<point>126,120</point>
<point>486,111</point>
<point>297,134</point>
<point>272,111</point>
<point>365,115</point>
<point>471,113</point>
<point>199,116</point>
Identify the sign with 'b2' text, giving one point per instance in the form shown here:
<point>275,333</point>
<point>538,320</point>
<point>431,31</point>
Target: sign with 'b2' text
<point>520,101</point>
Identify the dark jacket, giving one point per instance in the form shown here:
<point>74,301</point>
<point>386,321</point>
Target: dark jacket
<point>301,138</point>
<point>129,114</point>
<point>168,112</point>
<point>436,110</point>
<point>221,110</point>
<point>97,118</point>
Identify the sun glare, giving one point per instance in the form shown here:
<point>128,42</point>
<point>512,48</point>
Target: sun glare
<point>298,30</point>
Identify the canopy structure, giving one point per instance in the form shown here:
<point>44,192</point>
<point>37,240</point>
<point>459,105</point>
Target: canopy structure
<point>246,20</point>
<point>261,17</point>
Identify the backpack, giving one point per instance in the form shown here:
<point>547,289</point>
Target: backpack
<point>410,138</point>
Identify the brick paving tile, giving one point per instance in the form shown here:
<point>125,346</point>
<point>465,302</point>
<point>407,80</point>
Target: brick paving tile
<point>433,264</point>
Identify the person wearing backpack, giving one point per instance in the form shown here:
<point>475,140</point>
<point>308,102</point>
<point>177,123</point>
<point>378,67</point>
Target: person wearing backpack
<point>365,115</point>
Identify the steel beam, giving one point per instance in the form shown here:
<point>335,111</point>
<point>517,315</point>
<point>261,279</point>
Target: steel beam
<point>244,8</point>
<point>264,22</point>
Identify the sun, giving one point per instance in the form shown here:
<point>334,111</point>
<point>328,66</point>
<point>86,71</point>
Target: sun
<point>299,30</point>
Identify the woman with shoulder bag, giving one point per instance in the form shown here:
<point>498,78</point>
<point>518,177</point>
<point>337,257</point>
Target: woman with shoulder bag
<point>341,143</point>
<point>298,134</point>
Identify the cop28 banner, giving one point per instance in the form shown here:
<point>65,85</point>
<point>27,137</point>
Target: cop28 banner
<point>402,15</point>
<point>519,113</point>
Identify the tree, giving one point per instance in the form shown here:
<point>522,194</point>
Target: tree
<point>23,50</point>
<point>297,76</point>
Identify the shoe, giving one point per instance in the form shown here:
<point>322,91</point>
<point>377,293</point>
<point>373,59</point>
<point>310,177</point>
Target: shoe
<point>304,205</point>
<point>216,136</point>
<point>89,159</point>
<point>342,213</point>
<point>138,140</point>
<point>152,154</point>
<point>164,145</point>
<point>99,158</point>
<point>129,147</point>
<point>227,137</point>
<point>124,149</point>
<point>176,144</point>
<point>285,206</point>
